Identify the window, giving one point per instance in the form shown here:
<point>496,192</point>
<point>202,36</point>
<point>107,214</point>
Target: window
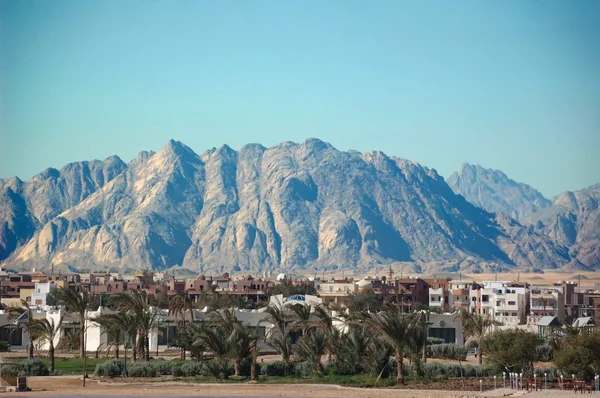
<point>514,314</point>
<point>512,303</point>
<point>485,298</point>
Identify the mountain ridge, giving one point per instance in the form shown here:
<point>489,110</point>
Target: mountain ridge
<point>304,206</point>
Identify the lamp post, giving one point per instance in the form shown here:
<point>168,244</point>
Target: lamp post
<point>545,381</point>
<point>521,376</point>
<point>562,384</point>
<point>480,385</point>
<point>494,382</point>
<point>510,380</point>
<point>535,381</point>
<point>503,379</point>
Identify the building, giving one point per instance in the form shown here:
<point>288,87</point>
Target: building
<point>546,300</point>
<point>440,293</point>
<point>464,296</point>
<point>40,295</point>
<point>503,301</point>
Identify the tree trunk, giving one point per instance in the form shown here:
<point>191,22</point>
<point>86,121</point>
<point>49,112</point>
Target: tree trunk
<point>253,363</point>
<point>30,346</point>
<point>424,352</point>
<point>51,357</point>
<point>141,346</point>
<point>480,354</point>
<point>82,340</point>
<point>399,370</point>
<point>147,347</point>
<point>236,367</point>
<point>117,351</point>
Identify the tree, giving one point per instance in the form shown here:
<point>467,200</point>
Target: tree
<point>179,305</point>
<point>476,326</point>
<point>277,337</point>
<point>302,314</point>
<point>48,331</point>
<point>135,304</point>
<point>513,349</point>
<point>78,303</point>
<point>119,327</point>
<point>311,347</point>
<point>239,339</point>
<point>578,355</point>
<point>287,288</point>
<point>392,327</point>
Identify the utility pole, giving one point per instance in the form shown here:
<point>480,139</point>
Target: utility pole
<point>391,272</point>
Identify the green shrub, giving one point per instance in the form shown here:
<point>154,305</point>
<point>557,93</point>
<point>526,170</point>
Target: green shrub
<point>434,369</point>
<point>4,345</point>
<point>303,369</point>
<point>142,369</point>
<point>12,369</point>
<point>190,369</point>
<point>111,368</point>
<point>545,353</point>
<point>275,368</point>
<point>551,371</point>
<point>245,365</point>
<point>435,340</point>
<point>447,351</point>
<point>36,367</point>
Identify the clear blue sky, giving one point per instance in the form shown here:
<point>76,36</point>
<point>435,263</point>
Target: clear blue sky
<point>512,85</point>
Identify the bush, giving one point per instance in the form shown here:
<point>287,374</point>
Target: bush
<point>12,369</point>
<point>111,368</point>
<point>447,351</point>
<point>245,366</point>
<point>37,368</point>
<point>545,353</point>
<point>303,369</point>
<point>454,370</point>
<point>4,345</point>
<point>435,340</point>
<point>275,368</point>
<point>551,371</point>
<point>191,369</point>
<point>142,369</point>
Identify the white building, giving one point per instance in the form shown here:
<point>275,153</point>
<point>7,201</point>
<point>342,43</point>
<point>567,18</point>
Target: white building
<point>504,301</point>
<point>40,296</point>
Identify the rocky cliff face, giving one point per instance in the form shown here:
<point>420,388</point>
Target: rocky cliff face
<point>493,191</point>
<point>571,221</point>
<point>293,206</point>
<point>574,221</point>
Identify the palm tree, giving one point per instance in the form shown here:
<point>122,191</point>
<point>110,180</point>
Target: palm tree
<point>47,330</point>
<point>393,328</point>
<point>219,345</point>
<point>119,327</point>
<point>311,348</point>
<point>136,305</point>
<point>240,341</point>
<point>277,337</point>
<point>178,306</point>
<point>302,315</point>
<point>476,326</point>
<point>420,331</point>
<point>76,302</point>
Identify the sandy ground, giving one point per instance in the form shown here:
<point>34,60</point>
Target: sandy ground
<point>71,386</point>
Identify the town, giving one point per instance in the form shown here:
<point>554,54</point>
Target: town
<point>510,304</point>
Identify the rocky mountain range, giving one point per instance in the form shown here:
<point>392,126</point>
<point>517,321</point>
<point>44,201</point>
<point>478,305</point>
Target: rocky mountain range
<point>571,219</point>
<point>493,191</point>
<point>305,207</point>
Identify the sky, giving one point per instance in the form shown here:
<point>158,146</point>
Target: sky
<point>511,85</point>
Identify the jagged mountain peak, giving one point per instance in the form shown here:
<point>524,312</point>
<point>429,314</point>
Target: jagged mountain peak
<point>304,206</point>
<point>495,192</point>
